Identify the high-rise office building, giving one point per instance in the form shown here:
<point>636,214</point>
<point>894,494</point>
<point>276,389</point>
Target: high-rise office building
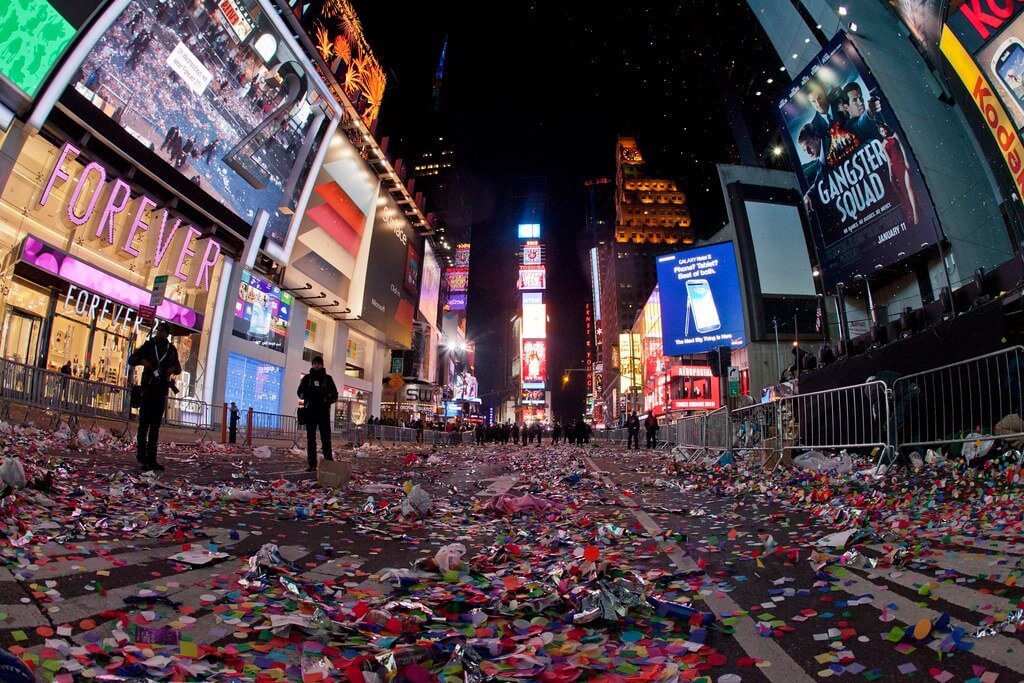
<point>651,218</point>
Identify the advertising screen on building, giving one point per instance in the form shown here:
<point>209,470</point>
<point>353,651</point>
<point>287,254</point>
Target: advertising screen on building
<point>533,254</point>
<point>924,19</point>
<point>631,375</point>
<point>863,191</point>
<point>532,277</point>
<point>430,288</point>
<point>458,279</point>
<point>528,231</point>
<point>388,304</point>
<point>231,117</point>
<point>777,233</point>
<point>465,387</point>
<point>34,35</point>
<point>701,307</point>
<point>462,255</point>
<point>535,362</point>
<point>262,312</point>
<point>535,316</point>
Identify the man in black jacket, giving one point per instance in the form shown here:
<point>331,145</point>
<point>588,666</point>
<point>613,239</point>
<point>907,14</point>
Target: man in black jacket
<point>159,361</point>
<point>318,392</point>
<point>633,431</point>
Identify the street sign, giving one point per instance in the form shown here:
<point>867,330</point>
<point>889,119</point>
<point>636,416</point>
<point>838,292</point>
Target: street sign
<point>734,381</point>
<point>396,382</point>
<point>159,289</point>
<point>147,313</point>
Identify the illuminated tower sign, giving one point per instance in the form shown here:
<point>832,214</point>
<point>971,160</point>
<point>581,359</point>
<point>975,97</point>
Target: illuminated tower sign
<point>533,343</point>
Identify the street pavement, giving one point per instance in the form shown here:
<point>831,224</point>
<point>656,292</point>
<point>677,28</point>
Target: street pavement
<point>564,589</point>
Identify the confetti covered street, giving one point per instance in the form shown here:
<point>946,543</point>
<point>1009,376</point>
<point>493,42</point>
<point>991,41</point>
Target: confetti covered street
<point>541,563</point>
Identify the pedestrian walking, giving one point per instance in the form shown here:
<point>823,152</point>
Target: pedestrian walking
<point>318,393</point>
<point>159,361</point>
<point>633,431</point>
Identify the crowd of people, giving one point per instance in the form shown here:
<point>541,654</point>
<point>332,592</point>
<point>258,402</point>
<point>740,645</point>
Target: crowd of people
<point>521,434</point>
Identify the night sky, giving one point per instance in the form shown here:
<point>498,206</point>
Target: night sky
<point>543,89</point>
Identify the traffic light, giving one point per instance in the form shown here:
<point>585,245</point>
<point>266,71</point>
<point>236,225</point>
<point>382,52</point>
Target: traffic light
<point>719,360</point>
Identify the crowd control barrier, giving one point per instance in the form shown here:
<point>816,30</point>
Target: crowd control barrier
<point>63,397</point>
<point>960,403</point>
<point>969,403</point>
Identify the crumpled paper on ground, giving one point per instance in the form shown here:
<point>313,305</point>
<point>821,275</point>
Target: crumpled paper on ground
<point>417,502</point>
<point>504,502</point>
<point>816,461</point>
<point>12,472</point>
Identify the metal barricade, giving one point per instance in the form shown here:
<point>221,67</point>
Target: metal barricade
<point>718,431</point>
<point>189,412</point>
<point>62,396</point>
<point>854,417</point>
<point>755,429</point>
<point>689,433</point>
<point>944,406</point>
<point>272,427</point>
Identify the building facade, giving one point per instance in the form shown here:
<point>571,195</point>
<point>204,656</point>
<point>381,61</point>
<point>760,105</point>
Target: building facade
<point>651,218</point>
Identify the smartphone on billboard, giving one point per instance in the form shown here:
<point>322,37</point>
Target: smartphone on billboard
<point>1008,65</point>
<point>702,307</point>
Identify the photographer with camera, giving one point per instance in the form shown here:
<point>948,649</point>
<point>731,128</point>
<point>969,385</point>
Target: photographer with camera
<point>159,361</point>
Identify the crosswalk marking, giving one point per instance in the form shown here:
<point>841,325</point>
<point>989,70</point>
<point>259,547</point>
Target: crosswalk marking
<point>996,649</point>
<point>783,668</point>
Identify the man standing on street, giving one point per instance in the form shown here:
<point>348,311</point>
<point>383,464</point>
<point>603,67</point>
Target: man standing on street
<point>651,425</point>
<point>318,393</point>
<point>633,431</point>
<point>159,361</point>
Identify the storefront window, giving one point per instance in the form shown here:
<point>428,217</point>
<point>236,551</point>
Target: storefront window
<point>23,321</point>
<point>253,384</point>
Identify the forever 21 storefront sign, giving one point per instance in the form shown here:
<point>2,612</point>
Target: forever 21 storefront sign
<point>83,204</point>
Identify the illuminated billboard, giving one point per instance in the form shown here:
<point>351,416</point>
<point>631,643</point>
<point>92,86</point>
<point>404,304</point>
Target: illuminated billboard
<point>462,256</point>
<point>240,124</point>
<point>430,288</point>
<point>388,301</point>
<point>458,279</point>
<point>631,376</point>
<point>534,362</point>
<point>533,254</point>
<point>862,188</point>
<point>532,397</point>
<point>262,312</point>
<point>529,231</point>
<point>535,316</point>
<point>336,34</point>
<point>532,277</point>
<point>984,44</point>
<point>34,35</point>
<point>701,308</point>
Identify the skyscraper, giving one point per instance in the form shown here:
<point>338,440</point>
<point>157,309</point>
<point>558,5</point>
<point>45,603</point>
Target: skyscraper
<point>651,218</point>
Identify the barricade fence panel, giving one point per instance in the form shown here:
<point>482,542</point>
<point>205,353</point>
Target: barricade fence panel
<point>189,412</point>
<point>944,406</point>
<point>853,417</point>
<point>755,429</point>
<point>64,395</point>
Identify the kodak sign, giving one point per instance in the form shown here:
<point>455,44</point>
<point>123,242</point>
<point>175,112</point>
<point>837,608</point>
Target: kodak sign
<point>998,122</point>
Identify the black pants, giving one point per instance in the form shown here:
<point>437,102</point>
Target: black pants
<point>322,423</point>
<point>151,414</point>
<point>652,438</point>
<point>633,439</point>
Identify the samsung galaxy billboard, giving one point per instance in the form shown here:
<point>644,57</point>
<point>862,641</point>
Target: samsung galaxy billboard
<point>701,307</point>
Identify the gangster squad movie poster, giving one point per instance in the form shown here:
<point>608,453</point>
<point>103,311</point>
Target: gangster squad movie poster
<point>863,191</point>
